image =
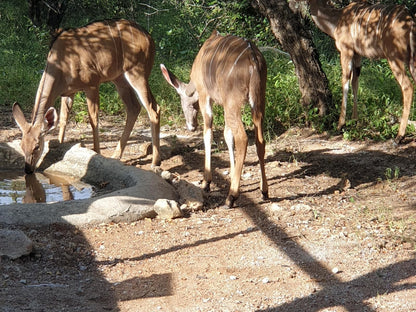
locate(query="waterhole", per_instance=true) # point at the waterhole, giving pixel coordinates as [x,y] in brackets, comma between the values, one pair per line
[101,189]
[40,188]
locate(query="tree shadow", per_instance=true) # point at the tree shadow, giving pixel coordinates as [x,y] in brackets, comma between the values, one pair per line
[61,273]
[93,290]
[361,168]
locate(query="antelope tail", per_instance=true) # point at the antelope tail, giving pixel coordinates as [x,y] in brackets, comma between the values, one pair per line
[257,89]
[412,43]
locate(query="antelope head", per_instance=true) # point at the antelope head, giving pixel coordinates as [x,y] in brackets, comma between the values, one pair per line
[33,135]
[189,97]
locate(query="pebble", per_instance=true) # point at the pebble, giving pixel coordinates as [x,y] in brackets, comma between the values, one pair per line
[14,244]
[167,209]
[265,280]
[166,175]
[275,207]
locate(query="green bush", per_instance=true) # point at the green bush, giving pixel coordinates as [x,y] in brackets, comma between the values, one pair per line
[179,28]
[22,55]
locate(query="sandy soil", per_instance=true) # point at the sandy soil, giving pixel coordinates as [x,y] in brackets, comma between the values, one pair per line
[338,234]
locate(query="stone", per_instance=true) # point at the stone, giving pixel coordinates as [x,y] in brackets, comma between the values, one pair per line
[167,209]
[145,148]
[190,194]
[166,175]
[14,244]
[276,207]
[130,193]
[301,207]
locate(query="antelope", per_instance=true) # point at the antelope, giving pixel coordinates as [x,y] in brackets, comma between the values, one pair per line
[374,31]
[231,72]
[81,59]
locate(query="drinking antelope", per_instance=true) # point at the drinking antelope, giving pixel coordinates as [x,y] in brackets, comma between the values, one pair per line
[81,59]
[229,71]
[375,31]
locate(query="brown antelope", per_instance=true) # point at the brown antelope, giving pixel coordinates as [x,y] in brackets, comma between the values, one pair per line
[374,31]
[229,71]
[80,60]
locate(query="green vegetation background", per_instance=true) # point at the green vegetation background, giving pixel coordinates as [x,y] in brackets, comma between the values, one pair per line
[179,27]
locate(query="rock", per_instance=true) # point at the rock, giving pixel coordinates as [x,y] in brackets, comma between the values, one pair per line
[9,155]
[166,175]
[14,244]
[145,148]
[345,184]
[190,195]
[276,207]
[265,280]
[301,207]
[167,209]
[130,193]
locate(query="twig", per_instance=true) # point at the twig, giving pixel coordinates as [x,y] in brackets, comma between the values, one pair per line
[273,49]
[48,285]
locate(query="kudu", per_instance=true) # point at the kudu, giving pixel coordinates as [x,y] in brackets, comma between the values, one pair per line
[229,71]
[374,31]
[35,192]
[81,59]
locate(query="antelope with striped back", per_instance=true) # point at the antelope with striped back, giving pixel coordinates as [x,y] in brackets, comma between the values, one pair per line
[81,59]
[374,31]
[231,72]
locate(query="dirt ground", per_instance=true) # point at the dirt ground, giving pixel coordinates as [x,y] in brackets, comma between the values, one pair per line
[338,234]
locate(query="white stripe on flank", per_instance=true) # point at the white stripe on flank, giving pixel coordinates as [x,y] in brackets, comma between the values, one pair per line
[368,19]
[210,63]
[112,37]
[238,57]
[121,57]
[397,16]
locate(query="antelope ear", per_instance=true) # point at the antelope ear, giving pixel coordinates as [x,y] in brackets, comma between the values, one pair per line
[214,33]
[19,117]
[190,89]
[170,77]
[51,120]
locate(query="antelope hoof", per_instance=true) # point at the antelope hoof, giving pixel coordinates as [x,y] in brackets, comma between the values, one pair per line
[206,186]
[156,169]
[156,162]
[229,202]
[265,195]
[116,155]
[397,140]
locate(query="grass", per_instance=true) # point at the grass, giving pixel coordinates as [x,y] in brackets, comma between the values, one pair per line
[24,50]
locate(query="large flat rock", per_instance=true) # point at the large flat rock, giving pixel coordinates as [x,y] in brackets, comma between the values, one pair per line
[136,192]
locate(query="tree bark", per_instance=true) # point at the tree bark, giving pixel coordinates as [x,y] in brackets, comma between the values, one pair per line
[49,13]
[294,39]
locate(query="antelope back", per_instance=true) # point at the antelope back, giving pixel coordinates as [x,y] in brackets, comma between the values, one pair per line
[375,30]
[225,67]
[96,53]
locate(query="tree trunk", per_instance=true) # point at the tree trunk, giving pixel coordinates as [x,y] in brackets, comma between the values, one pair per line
[49,13]
[294,39]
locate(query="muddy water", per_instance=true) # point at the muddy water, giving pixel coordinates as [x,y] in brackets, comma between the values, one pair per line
[39,188]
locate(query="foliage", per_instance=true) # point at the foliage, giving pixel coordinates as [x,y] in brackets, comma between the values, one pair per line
[22,53]
[179,28]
